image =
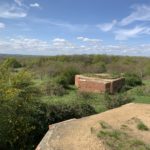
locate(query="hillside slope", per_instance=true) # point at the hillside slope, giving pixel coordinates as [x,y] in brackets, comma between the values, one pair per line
[81,134]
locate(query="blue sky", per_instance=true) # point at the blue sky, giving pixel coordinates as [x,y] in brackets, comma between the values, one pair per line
[55,27]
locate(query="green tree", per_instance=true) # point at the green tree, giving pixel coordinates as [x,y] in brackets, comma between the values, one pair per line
[11,63]
[17,108]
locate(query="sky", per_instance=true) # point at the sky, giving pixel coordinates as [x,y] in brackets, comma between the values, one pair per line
[66,27]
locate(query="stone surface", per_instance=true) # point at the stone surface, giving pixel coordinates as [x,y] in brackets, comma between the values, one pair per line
[78,134]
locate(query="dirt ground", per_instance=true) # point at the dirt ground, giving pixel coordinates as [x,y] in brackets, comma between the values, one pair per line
[77,134]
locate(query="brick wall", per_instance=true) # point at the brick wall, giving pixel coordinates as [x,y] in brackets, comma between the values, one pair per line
[89,85]
[116,85]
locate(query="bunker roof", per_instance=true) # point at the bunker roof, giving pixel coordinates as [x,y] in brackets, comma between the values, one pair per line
[105,78]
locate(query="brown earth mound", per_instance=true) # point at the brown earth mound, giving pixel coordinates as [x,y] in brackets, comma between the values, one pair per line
[81,134]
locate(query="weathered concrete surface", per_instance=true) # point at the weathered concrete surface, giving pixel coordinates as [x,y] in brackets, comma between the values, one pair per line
[77,134]
[55,133]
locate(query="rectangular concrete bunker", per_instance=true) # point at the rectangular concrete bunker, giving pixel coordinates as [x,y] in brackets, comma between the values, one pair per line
[99,83]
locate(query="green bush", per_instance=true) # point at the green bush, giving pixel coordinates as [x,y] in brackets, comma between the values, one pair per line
[17,99]
[62,80]
[70,73]
[52,88]
[12,63]
[67,77]
[61,112]
[113,101]
[84,95]
[132,80]
[143,91]
[23,124]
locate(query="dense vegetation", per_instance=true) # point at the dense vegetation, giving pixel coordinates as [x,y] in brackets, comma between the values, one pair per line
[38,91]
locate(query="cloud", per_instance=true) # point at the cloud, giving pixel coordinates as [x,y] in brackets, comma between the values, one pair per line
[85,39]
[107,26]
[22,43]
[140,13]
[2,25]
[18,2]
[35,5]
[60,46]
[69,26]
[90,44]
[124,34]
[61,24]
[12,11]
[59,40]
[59,43]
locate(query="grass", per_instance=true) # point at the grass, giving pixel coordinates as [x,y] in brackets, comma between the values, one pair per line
[104,125]
[119,140]
[142,126]
[115,134]
[95,100]
[140,98]
[102,75]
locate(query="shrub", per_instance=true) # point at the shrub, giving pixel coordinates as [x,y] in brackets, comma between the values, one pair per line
[62,80]
[84,95]
[12,63]
[61,112]
[132,80]
[17,98]
[70,75]
[113,101]
[67,77]
[143,91]
[52,88]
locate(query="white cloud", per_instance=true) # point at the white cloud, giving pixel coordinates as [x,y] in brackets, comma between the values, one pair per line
[90,44]
[107,26]
[85,39]
[140,13]
[35,5]
[71,27]
[59,43]
[12,11]
[124,34]
[59,40]
[59,46]
[2,25]
[62,24]
[28,44]
[18,2]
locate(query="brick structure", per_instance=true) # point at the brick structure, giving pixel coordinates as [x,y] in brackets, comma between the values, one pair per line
[98,83]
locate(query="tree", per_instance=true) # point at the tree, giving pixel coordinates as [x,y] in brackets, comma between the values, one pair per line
[11,63]
[17,108]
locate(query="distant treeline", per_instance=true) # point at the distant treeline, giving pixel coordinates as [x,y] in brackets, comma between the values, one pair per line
[54,65]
